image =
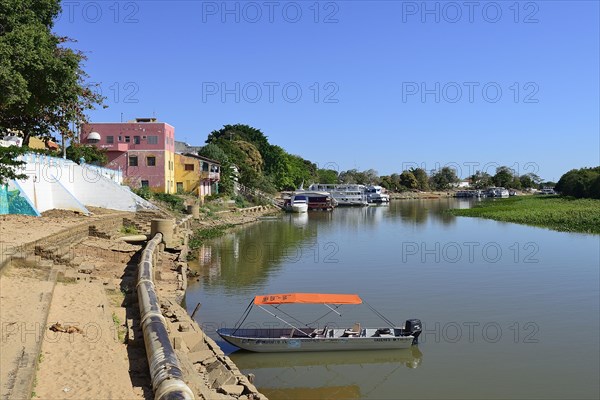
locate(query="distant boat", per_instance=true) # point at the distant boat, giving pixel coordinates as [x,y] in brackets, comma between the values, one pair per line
[547,190]
[375,195]
[344,194]
[316,200]
[305,339]
[299,203]
[497,192]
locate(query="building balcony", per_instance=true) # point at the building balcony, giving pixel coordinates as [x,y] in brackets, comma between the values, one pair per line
[212,176]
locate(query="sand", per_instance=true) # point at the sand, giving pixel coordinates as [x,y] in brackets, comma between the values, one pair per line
[90,365]
[94,364]
[23,308]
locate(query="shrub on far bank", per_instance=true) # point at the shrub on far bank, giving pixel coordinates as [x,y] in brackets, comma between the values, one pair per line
[580,183]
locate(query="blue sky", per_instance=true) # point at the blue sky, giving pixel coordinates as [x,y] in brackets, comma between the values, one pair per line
[359,84]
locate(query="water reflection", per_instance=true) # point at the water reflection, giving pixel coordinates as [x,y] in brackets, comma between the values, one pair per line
[419,211]
[369,251]
[246,256]
[410,358]
[327,375]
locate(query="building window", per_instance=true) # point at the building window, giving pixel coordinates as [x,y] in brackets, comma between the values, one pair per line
[133,161]
[120,138]
[152,139]
[136,140]
[179,187]
[110,139]
[151,161]
[204,166]
[127,139]
[189,167]
[145,184]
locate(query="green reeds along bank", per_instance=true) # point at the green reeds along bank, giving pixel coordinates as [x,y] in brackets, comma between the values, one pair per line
[555,212]
[202,235]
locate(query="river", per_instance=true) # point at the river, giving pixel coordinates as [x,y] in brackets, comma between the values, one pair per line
[509,311]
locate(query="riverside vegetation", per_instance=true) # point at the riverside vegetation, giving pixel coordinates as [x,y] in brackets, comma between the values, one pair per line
[565,214]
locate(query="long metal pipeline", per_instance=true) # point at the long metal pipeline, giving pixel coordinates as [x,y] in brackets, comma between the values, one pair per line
[166,374]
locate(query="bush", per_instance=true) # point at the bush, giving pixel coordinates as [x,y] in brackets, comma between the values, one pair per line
[174,202]
[240,201]
[214,197]
[144,192]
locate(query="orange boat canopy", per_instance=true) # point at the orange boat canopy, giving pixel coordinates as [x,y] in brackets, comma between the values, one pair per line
[307,298]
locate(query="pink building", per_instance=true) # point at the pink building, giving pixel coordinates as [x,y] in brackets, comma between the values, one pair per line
[143,149]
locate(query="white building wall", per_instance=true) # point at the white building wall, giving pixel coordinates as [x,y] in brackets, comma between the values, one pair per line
[58,183]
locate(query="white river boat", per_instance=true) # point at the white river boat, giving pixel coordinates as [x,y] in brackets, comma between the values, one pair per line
[344,194]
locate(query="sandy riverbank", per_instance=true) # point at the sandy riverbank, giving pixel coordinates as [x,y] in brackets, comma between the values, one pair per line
[89,284]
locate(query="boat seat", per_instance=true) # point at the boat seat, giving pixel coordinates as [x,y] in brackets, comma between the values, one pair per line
[319,332]
[354,331]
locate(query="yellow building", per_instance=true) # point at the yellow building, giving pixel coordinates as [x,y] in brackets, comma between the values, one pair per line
[187,174]
[197,175]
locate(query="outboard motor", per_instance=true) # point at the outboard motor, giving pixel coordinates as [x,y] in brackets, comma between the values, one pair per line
[413,327]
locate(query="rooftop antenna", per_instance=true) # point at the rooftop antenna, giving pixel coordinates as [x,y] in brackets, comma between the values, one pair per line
[121,117]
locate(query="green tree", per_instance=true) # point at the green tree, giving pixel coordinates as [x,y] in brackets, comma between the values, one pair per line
[515,183]
[262,165]
[386,182]
[368,177]
[481,180]
[214,152]
[580,183]
[9,165]
[42,83]
[422,179]
[90,154]
[443,179]
[529,180]
[327,176]
[408,180]
[504,177]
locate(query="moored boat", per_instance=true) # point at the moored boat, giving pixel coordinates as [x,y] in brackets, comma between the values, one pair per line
[315,200]
[344,194]
[305,339]
[299,203]
[376,195]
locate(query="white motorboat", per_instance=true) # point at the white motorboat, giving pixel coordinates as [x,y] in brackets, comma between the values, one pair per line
[299,203]
[305,339]
[376,195]
[497,192]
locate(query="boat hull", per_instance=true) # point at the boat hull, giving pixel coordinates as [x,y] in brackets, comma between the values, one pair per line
[307,344]
[300,208]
